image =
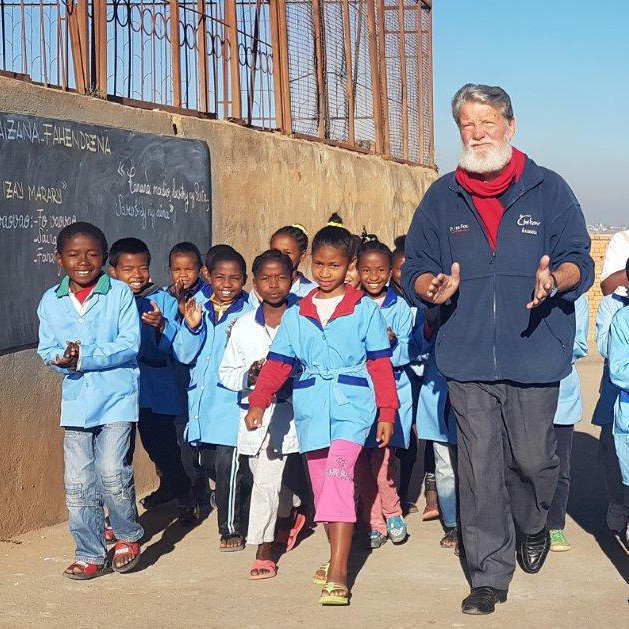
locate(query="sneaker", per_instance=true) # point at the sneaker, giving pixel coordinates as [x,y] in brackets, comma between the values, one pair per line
[375,539]
[558,541]
[396,528]
[617,516]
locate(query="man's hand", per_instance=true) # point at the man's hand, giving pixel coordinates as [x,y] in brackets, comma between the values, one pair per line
[254,371]
[544,283]
[154,318]
[443,287]
[193,313]
[253,419]
[384,433]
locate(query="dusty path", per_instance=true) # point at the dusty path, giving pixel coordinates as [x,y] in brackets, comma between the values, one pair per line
[186,582]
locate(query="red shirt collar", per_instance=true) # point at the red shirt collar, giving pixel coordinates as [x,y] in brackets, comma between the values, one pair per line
[346,305]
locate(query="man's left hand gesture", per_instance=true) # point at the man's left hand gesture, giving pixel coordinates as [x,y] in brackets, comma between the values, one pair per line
[545,282]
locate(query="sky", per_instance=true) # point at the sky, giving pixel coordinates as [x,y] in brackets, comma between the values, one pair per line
[565,65]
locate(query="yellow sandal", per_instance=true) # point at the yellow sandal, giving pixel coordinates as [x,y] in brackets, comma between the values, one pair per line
[324,568]
[328,599]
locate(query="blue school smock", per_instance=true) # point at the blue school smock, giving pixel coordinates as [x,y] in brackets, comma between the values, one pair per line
[104,388]
[433,423]
[213,410]
[570,404]
[619,375]
[300,288]
[398,316]
[158,383]
[608,392]
[334,395]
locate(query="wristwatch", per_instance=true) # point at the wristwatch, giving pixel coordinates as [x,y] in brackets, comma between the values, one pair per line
[555,289]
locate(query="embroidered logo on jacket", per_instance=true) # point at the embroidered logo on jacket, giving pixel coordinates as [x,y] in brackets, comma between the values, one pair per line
[528,224]
[459,229]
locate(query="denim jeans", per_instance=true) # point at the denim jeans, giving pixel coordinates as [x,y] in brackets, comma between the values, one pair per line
[97,473]
[445,463]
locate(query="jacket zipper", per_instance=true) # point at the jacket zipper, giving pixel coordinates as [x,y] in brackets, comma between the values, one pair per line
[492,262]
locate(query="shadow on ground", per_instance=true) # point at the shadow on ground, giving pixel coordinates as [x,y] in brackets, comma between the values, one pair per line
[588,501]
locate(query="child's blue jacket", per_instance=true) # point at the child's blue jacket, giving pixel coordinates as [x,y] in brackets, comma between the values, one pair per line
[104,387]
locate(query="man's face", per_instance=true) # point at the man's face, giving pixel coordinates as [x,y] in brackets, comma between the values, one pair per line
[486,137]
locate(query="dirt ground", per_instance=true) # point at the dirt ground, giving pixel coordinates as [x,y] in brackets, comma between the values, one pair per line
[184,581]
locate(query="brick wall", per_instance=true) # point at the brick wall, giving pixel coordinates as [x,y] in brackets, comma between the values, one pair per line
[599,247]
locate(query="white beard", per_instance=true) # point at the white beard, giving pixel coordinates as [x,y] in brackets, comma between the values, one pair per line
[490,160]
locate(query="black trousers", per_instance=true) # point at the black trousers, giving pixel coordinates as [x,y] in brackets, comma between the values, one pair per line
[507,468]
[159,438]
[557,511]
[233,486]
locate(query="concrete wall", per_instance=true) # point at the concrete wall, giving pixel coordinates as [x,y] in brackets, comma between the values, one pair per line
[260,181]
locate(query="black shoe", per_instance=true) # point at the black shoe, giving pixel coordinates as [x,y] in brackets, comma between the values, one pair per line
[483,600]
[159,497]
[532,551]
[188,514]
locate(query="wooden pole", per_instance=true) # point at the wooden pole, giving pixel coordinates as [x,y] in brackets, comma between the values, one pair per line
[376,90]
[100,38]
[287,122]
[430,83]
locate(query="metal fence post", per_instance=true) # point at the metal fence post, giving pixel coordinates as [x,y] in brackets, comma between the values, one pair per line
[175,52]
[231,22]
[202,46]
[403,76]
[322,99]
[430,80]
[349,86]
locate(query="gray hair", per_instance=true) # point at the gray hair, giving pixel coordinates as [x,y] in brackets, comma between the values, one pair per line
[487,94]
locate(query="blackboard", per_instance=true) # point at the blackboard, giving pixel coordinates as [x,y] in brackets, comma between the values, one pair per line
[55,172]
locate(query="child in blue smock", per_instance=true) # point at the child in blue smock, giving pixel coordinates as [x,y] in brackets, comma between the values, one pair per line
[291,240]
[339,338]
[415,372]
[617,512]
[89,330]
[618,357]
[160,401]
[569,412]
[436,423]
[213,410]
[376,467]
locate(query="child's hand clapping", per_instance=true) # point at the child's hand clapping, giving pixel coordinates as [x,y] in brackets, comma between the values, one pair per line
[180,292]
[253,419]
[391,335]
[254,371]
[70,357]
[154,318]
[193,313]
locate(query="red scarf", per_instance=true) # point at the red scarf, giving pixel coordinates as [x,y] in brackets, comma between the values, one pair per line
[485,193]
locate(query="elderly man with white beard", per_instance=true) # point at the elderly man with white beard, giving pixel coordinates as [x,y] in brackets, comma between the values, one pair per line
[500,246]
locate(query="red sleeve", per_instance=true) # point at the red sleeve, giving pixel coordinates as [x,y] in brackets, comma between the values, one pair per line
[272,376]
[381,373]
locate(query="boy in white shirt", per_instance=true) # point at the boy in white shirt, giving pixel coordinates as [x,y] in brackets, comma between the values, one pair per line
[267,447]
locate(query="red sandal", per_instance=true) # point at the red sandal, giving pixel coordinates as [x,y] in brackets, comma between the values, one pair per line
[110,536]
[126,549]
[88,570]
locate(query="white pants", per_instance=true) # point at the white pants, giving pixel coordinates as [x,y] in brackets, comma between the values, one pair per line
[269,499]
